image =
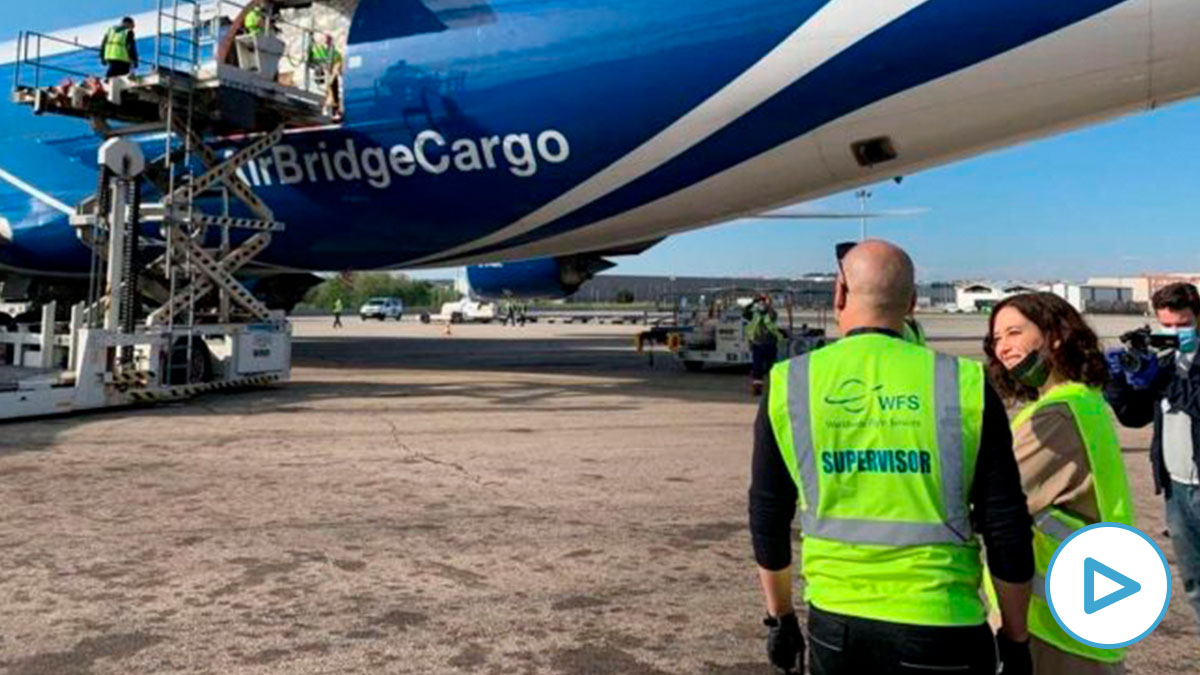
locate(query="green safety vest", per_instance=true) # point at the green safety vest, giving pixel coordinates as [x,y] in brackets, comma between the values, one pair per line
[1053,525]
[323,55]
[254,23]
[760,325]
[881,438]
[116,47]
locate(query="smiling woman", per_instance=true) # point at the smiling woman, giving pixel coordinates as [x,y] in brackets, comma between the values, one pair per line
[1038,340]
[1040,349]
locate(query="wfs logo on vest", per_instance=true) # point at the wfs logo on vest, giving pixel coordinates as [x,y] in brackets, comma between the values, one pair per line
[854,396]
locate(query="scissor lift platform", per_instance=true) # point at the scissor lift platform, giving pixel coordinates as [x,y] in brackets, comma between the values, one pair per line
[167,317]
[228,100]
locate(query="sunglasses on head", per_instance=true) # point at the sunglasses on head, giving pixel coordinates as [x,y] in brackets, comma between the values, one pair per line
[842,249]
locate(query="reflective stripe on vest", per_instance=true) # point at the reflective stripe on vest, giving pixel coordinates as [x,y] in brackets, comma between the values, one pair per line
[1039,587]
[956,527]
[1047,523]
[115,45]
[1054,525]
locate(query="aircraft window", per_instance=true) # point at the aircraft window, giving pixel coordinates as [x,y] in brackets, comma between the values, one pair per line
[874,151]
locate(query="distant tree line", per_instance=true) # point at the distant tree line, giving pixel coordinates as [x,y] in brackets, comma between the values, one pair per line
[355,287]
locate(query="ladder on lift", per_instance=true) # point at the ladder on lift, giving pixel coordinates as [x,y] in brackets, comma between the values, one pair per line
[178,255]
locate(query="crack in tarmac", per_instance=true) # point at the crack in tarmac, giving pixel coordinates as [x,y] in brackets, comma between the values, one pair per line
[419,456]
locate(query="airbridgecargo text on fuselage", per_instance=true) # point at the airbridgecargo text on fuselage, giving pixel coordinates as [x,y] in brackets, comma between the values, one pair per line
[430,153]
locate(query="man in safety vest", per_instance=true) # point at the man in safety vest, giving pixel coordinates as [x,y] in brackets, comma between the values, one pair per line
[764,336]
[119,49]
[899,460]
[255,22]
[326,61]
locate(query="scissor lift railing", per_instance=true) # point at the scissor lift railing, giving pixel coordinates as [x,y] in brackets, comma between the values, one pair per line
[33,59]
[177,39]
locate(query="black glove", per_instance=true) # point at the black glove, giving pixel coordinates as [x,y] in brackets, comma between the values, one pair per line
[785,643]
[1014,656]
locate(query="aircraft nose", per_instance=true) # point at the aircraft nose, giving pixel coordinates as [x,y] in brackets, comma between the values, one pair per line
[1175,35]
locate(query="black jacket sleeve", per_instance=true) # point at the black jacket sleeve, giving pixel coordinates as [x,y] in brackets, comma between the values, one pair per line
[131,44]
[999,511]
[773,497]
[1136,408]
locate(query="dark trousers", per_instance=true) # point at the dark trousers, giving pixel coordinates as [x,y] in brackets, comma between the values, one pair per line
[840,644]
[118,68]
[1183,521]
[762,357]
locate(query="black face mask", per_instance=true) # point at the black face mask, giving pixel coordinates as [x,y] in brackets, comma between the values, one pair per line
[1032,371]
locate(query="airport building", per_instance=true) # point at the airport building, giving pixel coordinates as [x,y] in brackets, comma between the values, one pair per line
[815,290]
[1100,298]
[981,296]
[1099,295]
[1143,287]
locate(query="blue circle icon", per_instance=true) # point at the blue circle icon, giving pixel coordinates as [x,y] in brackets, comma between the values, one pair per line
[1107,552]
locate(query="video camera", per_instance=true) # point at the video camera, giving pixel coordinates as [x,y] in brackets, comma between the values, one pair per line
[1144,342]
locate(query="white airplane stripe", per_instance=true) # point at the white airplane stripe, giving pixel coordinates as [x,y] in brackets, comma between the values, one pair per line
[1017,67]
[90,35]
[34,192]
[834,28]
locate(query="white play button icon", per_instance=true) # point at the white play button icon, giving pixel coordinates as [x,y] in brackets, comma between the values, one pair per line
[1113,586]
[1108,585]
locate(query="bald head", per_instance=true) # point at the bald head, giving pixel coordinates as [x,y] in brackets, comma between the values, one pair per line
[879,285]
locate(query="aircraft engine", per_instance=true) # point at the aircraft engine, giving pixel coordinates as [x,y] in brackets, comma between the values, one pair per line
[539,278]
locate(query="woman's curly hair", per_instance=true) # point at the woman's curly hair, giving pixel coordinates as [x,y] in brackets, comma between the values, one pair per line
[1073,347]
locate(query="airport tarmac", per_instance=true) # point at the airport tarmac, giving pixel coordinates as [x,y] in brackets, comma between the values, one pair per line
[500,500]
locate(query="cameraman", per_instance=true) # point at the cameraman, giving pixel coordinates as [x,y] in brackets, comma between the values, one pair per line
[1165,389]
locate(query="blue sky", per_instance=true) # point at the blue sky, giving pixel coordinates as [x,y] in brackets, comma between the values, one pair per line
[1120,198]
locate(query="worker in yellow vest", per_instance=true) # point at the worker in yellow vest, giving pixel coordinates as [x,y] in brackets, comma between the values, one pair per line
[763,333]
[119,49]
[1040,349]
[326,61]
[899,460]
[255,22]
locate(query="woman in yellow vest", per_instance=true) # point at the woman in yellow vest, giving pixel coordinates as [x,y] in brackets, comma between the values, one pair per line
[1040,350]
